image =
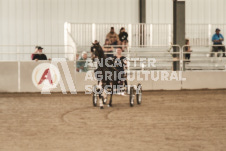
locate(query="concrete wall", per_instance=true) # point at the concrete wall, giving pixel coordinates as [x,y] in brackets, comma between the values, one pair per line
[205,11]
[204,80]
[159,11]
[197,11]
[14,80]
[9,81]
[26,69]
[41,22]
[9,77]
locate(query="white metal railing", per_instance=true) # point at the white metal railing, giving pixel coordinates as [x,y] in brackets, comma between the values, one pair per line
[143,34]
[200,59]
[69,40]
[138,34]
[24,52]
[201,34]
[163,56]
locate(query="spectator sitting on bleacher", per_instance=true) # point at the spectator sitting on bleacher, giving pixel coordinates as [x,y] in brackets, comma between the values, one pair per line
[39,55]
[188,50]
[81,63]
[108,49]
[217,40]
[36,51]
[113,37]
[123,37]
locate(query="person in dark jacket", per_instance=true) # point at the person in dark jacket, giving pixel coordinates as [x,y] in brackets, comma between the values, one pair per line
[36,51]
[187,50]
[123,35]
[123,38]
[39,55]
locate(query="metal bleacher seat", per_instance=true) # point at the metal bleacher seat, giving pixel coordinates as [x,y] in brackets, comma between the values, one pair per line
[201,60]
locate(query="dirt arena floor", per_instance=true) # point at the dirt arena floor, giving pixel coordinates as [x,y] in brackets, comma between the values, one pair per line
[166,121]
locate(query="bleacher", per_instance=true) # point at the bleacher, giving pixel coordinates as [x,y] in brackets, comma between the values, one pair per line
[154,42]
[201,60]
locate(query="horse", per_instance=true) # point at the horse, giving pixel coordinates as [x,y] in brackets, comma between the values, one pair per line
[106,71]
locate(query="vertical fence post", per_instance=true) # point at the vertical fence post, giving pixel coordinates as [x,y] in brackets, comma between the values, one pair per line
[18,66]
[209,35]
[151,35]
[130,34]
[93,32]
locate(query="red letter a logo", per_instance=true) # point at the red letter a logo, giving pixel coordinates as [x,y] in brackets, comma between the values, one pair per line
[46,75]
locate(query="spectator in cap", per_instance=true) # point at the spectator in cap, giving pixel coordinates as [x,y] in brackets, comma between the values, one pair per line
[113,37]
[217,40]
[36,51]
[39,55]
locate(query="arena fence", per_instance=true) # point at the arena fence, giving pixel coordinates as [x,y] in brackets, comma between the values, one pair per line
[18,78]
[201,34]
[23,52]
[143,34]
[138,34]
[201,58]
[163,56]
[16,75]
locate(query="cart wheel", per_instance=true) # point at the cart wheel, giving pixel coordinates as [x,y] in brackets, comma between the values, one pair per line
[139,94]
[131,96]
[94,95]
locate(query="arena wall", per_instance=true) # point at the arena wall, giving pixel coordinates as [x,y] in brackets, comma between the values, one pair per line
[14,80]
[41,22]
[36,22]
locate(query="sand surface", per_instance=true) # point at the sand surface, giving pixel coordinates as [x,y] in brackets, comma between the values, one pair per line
[165,121]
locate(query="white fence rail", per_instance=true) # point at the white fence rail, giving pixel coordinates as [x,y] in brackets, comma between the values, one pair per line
[24,52]
[144,34]
[200,35]
[138,34]
[162,56]
[200,56]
